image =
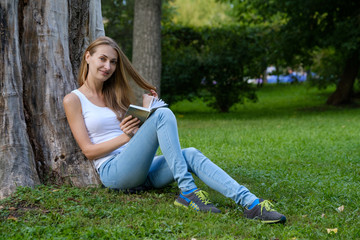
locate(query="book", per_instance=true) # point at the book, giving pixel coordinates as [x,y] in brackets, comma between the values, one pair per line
[143,113]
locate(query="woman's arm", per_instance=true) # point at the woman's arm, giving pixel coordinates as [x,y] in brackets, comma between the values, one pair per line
[76,122]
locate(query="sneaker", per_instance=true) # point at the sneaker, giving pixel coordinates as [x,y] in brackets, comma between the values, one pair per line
[197,200]
[264,212]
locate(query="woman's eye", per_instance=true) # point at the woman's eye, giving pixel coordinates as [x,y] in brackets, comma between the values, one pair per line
[102,59]
[113,62]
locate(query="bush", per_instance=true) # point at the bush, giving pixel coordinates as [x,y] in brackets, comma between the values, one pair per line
[225,62]
[210,63]
[181,70]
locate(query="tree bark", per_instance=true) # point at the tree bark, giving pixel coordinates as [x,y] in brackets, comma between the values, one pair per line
[344,90]
[146,56]
[17,164]
[41,45]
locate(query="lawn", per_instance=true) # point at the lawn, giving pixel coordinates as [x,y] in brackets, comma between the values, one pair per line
[289,147]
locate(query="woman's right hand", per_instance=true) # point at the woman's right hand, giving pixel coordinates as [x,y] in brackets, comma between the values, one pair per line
[130,125]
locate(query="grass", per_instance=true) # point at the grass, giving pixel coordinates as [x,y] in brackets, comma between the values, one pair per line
[288,147]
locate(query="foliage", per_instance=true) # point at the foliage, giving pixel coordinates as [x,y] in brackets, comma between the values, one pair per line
[118,22]
[216,60]
[200,13]
[327,66]
[308,25]
[227,60]
[288,148]
[181,70]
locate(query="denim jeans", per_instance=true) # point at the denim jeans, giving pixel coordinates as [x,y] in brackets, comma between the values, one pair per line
[137,164]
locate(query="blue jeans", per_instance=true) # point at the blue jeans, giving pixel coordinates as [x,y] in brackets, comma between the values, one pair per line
[137,164]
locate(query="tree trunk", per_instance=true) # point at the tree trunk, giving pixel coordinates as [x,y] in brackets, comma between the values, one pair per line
[344,90]
[41,45]
[17,165]
[146,55]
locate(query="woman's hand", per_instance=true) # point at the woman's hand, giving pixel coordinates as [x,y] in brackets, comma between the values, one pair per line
[153,93]
[129,126]
[147,98]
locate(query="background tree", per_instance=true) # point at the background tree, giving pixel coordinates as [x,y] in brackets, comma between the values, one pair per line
[146,55]
[41,44]
[312,25]
[118,22]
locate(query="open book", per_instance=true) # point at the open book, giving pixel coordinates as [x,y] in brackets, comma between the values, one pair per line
[143,113]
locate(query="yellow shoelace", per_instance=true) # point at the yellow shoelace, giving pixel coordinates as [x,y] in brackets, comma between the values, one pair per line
[204,196]
[267,204]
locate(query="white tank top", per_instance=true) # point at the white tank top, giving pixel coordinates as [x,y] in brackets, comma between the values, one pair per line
[101,124]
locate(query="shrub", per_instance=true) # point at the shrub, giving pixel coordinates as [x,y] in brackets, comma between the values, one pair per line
[210,63]
[225,62]
[181,70]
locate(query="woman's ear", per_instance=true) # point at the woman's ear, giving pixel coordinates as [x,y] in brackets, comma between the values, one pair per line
[87,56]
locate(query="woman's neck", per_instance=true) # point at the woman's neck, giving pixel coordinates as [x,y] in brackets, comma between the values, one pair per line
[93,88]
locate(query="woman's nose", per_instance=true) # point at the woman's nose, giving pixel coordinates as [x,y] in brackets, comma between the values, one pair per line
[107,65]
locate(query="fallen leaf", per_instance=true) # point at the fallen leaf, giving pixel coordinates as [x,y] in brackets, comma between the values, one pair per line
[341,208]
[304,216]
[331,230]
[323,215]
[55,190]
[294,238]
[12,218]
[12,208]
[1,207]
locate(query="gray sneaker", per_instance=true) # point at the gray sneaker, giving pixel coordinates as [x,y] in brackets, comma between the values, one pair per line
[197,200]
[265,213]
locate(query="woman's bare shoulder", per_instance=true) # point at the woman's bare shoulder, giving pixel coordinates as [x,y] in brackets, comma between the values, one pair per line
[71,99]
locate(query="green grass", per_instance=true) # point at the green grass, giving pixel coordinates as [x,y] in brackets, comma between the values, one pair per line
[288,147]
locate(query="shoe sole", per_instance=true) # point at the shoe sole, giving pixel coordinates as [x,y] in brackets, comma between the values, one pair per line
[176,203]
[281,220]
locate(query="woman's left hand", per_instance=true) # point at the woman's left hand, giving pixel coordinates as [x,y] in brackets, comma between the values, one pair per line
[153,93]
[147,98]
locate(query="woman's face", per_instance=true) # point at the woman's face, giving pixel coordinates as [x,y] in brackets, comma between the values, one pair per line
[102,63]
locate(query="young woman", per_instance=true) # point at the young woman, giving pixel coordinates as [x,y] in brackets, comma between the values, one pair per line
[124,154]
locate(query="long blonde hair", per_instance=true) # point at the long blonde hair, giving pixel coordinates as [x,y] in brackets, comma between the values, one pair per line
[116,90]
